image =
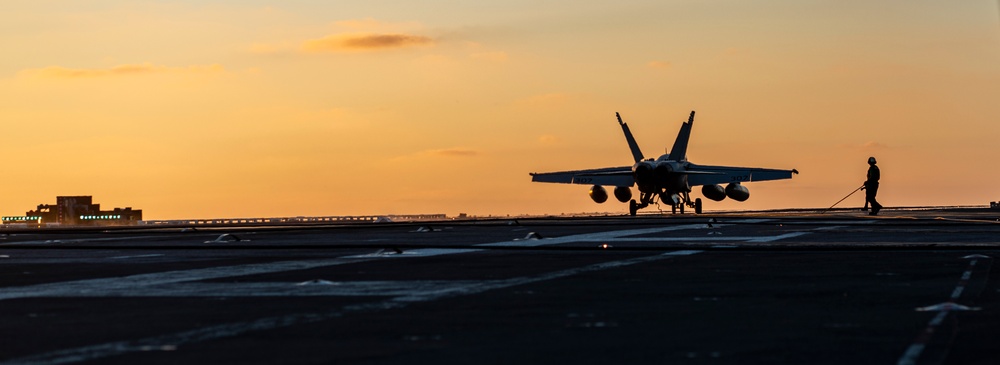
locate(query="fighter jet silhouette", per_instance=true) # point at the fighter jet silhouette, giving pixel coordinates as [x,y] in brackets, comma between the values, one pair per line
[668,178]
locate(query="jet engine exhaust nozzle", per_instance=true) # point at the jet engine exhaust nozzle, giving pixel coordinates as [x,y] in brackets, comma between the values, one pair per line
[661,173]
[643,175]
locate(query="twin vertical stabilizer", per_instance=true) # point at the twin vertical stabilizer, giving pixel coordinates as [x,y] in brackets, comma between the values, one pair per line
[679,151]
[636,153]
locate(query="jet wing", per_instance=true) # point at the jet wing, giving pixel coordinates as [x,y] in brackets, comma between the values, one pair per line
[611,176]
[707,175]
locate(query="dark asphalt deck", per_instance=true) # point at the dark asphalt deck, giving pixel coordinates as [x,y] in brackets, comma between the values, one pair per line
[769,288]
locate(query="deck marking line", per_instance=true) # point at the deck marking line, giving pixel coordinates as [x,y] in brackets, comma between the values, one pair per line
[134,282]
[87,353]
[424,252]
[779,237]
[80,240]
[957,292]
[142,280]
[261,289]
[597,236]
[913,352]
[135,256]
[755,239]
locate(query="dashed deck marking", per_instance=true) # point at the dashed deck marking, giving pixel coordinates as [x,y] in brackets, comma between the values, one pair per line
[913,352]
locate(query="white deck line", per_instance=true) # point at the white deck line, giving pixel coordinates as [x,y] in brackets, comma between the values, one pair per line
[99,351]
[136,285]
[913,352]
[598,236]
[141,281]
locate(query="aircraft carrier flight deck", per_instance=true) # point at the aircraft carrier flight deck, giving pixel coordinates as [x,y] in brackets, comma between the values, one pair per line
[783,287]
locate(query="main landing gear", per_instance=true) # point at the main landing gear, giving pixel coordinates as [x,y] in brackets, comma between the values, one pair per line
[686,200]
[633,206]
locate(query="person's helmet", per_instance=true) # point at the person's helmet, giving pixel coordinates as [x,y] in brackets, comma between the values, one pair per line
[871,160]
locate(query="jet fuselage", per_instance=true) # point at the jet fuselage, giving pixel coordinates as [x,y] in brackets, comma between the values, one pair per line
[662,175]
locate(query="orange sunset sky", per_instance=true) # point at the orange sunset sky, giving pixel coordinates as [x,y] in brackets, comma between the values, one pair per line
[202,109]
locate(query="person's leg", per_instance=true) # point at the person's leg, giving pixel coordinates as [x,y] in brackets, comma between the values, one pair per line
[875,205]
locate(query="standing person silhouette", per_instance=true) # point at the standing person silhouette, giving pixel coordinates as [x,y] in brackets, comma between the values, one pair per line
[871,186]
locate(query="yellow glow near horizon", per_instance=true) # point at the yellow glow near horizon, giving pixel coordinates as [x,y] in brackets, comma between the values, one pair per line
[187,110]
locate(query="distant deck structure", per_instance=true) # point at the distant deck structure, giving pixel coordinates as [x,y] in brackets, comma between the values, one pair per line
[296,220]
[75,211]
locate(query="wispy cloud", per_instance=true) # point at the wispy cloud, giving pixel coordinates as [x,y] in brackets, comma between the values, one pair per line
[659,65]
[357,36]
[867,146]
[364,42]
[120,70]
[453,152]
[872,145]
[548,140]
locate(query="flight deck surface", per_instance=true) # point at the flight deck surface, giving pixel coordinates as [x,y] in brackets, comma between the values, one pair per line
[906,287]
